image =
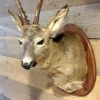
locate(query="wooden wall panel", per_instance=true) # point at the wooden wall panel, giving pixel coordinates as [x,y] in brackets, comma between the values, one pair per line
[30,5]
[17,83]
[14,90]
[86,16]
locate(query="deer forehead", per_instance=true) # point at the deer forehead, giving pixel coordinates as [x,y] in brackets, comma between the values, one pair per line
[36,39]
[30,32]
[32,28]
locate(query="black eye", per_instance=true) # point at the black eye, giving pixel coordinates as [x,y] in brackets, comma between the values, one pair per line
[20,43]
[40,42]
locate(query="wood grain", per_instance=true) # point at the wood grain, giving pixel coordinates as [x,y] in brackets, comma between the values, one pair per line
[30,5]
[14,78]
[14,90]
[86,16]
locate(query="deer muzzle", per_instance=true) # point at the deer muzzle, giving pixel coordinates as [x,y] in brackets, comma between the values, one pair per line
[28,65]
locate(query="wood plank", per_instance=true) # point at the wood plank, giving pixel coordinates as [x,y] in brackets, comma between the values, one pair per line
[10,47]
[96,47]
[2,97]
[13,90]
[30,5]
[86,16]
[12,74]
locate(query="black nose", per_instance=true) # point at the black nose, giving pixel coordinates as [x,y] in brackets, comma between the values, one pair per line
[28,65]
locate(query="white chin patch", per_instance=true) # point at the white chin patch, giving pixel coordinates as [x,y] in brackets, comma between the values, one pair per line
[27,59]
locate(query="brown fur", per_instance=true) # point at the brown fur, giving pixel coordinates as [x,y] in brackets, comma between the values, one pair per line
[64,60]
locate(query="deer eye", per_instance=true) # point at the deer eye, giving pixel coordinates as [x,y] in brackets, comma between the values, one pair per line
[20,43]
[40,42]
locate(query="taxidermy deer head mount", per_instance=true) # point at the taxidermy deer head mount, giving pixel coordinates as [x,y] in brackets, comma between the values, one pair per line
[36,40]
[61,55]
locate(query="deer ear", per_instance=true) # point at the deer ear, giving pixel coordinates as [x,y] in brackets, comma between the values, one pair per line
[17,20]
[57,21]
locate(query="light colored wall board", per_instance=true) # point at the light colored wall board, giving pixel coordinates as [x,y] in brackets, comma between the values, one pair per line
[30,5]
[86,16]
[13,90]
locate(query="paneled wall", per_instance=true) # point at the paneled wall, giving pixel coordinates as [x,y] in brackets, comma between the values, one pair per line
[19,84]
[30,5]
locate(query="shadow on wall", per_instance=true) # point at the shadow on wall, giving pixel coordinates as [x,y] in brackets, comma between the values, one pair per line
[2,97]
[39,79]
[17,91]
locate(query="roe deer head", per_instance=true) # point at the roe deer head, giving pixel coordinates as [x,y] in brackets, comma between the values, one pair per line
[62,55]
[35,39]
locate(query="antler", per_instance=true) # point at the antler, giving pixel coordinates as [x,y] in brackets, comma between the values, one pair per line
[37,12]
[23,13]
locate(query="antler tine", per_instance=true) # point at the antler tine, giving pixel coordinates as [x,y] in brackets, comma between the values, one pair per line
[23,13]
[37,12]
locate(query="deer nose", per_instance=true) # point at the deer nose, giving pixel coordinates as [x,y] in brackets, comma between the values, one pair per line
[28,65]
